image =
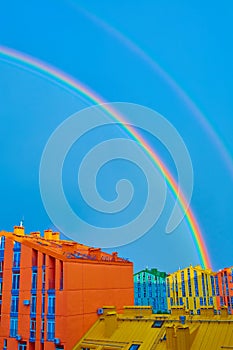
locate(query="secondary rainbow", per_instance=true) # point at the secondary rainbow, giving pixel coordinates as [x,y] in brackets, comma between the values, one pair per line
[64,80]
[157,69]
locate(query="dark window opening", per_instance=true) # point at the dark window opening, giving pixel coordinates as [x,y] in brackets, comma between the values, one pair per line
[157,324]
[134,347]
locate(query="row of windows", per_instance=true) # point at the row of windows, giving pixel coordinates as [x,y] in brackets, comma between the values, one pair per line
[203,301]
[50,328]
[51,304]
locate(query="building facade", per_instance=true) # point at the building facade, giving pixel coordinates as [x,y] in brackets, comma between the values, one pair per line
[192,288]
[52,290]
[224,288]
[150,289]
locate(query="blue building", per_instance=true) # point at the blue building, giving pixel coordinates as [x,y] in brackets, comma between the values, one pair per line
[150,289]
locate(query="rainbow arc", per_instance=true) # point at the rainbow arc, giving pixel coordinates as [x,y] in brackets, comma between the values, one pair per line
[64,80]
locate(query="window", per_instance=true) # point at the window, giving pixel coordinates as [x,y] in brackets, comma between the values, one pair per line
[182,284]
[32,329]
[61,275]
[17,245]
[15,281]
[203,284]
[33,304]
[189,283]
[43,304]
[5,344]
[51,304]
[217,285]
[2,242]
[15,303]
[134,347]
[168,288]
[1,268]
[44,259]
[22,346]
[43,278]
[196,283]
[50,330]
[34,280]
[212,285]
[13,327]
[42,329]
[16,259]
[157,324]
[34,258]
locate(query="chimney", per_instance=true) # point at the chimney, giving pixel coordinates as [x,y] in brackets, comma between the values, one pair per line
[35,234]
[207,311]
[177,310]
[48,234]
[224,312]
[19,230]
[114,256]
[95,252]
[183,338]
[55,236]
[170,338]
[110,323]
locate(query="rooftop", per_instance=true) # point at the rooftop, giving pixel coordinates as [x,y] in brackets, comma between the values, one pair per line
[66,250]
[138,328]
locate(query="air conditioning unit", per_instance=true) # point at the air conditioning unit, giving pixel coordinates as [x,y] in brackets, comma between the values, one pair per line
[100,311]
[18,337]
[56,341]
[26,302]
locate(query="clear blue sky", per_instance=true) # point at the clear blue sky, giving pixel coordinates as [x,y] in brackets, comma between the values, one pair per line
[190,40]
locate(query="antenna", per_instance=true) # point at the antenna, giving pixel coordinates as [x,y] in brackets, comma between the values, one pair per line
[21,222]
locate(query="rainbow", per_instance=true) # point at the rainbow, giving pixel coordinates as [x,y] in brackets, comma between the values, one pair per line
[58,77]
[156,68]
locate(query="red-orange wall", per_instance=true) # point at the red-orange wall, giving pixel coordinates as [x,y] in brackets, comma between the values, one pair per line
[88,285]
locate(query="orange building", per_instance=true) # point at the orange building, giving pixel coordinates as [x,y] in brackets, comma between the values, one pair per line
[224,288]
[52,290]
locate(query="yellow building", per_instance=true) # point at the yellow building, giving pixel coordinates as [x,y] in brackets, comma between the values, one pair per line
[138,329]
[192,288]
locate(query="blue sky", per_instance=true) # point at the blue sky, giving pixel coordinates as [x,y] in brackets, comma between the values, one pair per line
[191,41]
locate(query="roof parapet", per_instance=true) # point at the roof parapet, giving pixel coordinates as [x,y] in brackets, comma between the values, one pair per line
[138,311]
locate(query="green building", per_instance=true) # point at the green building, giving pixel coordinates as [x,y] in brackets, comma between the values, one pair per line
[150,289]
